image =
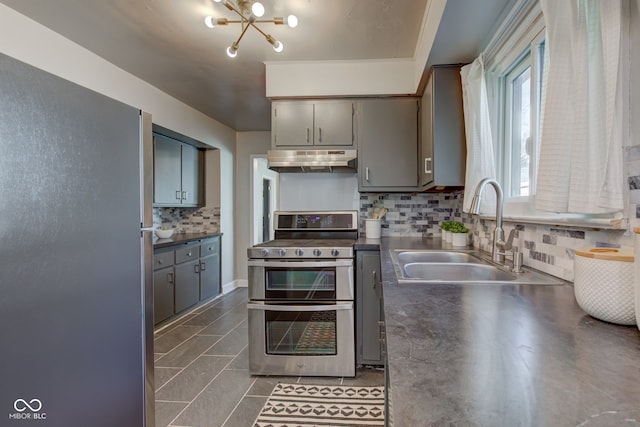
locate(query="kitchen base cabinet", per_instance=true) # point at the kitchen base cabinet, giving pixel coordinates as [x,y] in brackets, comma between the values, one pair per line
[185,274]
[369,309]
[163,280]
[210,268]
[187,290]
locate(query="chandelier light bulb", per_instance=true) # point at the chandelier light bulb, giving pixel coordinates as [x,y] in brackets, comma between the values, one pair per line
[232,52]
[257,9]
[249,12]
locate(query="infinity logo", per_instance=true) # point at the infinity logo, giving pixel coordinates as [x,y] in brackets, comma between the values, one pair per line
[21,405]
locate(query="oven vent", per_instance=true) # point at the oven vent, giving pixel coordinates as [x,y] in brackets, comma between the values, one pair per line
[303,161]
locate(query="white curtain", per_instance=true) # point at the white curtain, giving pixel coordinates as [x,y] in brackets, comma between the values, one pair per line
[480,159]
[580,168]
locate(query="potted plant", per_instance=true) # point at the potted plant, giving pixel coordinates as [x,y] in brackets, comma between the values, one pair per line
[446,234]
[458,233]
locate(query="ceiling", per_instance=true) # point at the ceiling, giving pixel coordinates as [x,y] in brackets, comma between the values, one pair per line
[166,43]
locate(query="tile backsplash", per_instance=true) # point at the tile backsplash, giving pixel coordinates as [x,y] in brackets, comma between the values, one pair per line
[413,214]
[550,249]
[187,220]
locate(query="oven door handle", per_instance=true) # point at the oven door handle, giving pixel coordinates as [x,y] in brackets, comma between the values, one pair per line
[278,307]
[294,264]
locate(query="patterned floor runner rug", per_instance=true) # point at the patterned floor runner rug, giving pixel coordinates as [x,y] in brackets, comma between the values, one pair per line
[302,405]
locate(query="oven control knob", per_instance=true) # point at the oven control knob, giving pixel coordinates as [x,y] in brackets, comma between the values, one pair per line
[335,252]
[317,252]
[264,252]
[299,252]
[282,252]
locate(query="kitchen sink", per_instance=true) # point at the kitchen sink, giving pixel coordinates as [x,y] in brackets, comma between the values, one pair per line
[463,267]
[407,257]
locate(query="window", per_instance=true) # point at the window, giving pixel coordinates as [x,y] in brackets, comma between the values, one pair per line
[519,150]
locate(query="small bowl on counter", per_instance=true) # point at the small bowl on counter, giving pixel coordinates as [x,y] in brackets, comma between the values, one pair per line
[164,233]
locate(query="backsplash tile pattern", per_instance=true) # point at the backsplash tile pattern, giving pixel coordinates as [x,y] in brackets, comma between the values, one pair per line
[187,220]
[550,249]
[413,214]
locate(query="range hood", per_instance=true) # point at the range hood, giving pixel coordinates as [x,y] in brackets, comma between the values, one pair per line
[312,160]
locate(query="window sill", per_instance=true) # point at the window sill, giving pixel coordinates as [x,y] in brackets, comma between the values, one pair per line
[524,213]
[566,220]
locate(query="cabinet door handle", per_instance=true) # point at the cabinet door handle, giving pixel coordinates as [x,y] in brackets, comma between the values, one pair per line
[196,268]
[428,165]
[178,196]
[170,277]
[366,174]
[307,134]
[374,279]
[319,134]
[184,195]
[203,266]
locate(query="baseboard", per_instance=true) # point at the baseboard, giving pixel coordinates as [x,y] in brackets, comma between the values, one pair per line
[238,283]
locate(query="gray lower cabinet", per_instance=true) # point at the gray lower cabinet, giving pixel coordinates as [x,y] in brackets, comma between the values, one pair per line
[388,144]
[163,281]
[185,274]
[369,309]
[210,268]
[187,289]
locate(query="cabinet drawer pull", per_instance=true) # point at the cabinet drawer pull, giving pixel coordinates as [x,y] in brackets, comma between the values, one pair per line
[170,277]
[188,253]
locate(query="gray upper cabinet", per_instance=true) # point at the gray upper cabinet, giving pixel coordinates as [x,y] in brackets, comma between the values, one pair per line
[178,171]
[388,144]
[320,123]
[442,148]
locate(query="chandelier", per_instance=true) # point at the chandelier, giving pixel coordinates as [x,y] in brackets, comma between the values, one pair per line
[249,12]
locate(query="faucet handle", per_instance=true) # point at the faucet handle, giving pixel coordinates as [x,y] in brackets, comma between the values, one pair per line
[508,245]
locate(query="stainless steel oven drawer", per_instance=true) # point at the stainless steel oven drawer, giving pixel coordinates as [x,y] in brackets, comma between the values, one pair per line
[302,339]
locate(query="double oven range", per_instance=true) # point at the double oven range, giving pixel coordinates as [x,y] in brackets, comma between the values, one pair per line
[301,296]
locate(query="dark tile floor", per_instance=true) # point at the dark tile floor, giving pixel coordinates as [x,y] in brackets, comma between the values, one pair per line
[202,370]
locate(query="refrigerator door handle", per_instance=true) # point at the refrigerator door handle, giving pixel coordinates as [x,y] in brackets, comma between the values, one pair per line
[146,170]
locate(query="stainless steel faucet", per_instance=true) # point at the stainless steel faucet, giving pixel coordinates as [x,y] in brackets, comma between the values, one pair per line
[498,233]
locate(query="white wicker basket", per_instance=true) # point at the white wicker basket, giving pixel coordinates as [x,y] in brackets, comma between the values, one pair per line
[604,284]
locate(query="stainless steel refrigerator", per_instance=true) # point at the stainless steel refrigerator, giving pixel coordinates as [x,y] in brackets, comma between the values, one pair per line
[76,314]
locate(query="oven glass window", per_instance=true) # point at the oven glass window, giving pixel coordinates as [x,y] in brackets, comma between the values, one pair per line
[303,333]
[313,283]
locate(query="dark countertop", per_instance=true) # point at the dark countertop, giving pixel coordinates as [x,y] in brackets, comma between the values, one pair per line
[176,239]
[503,355]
